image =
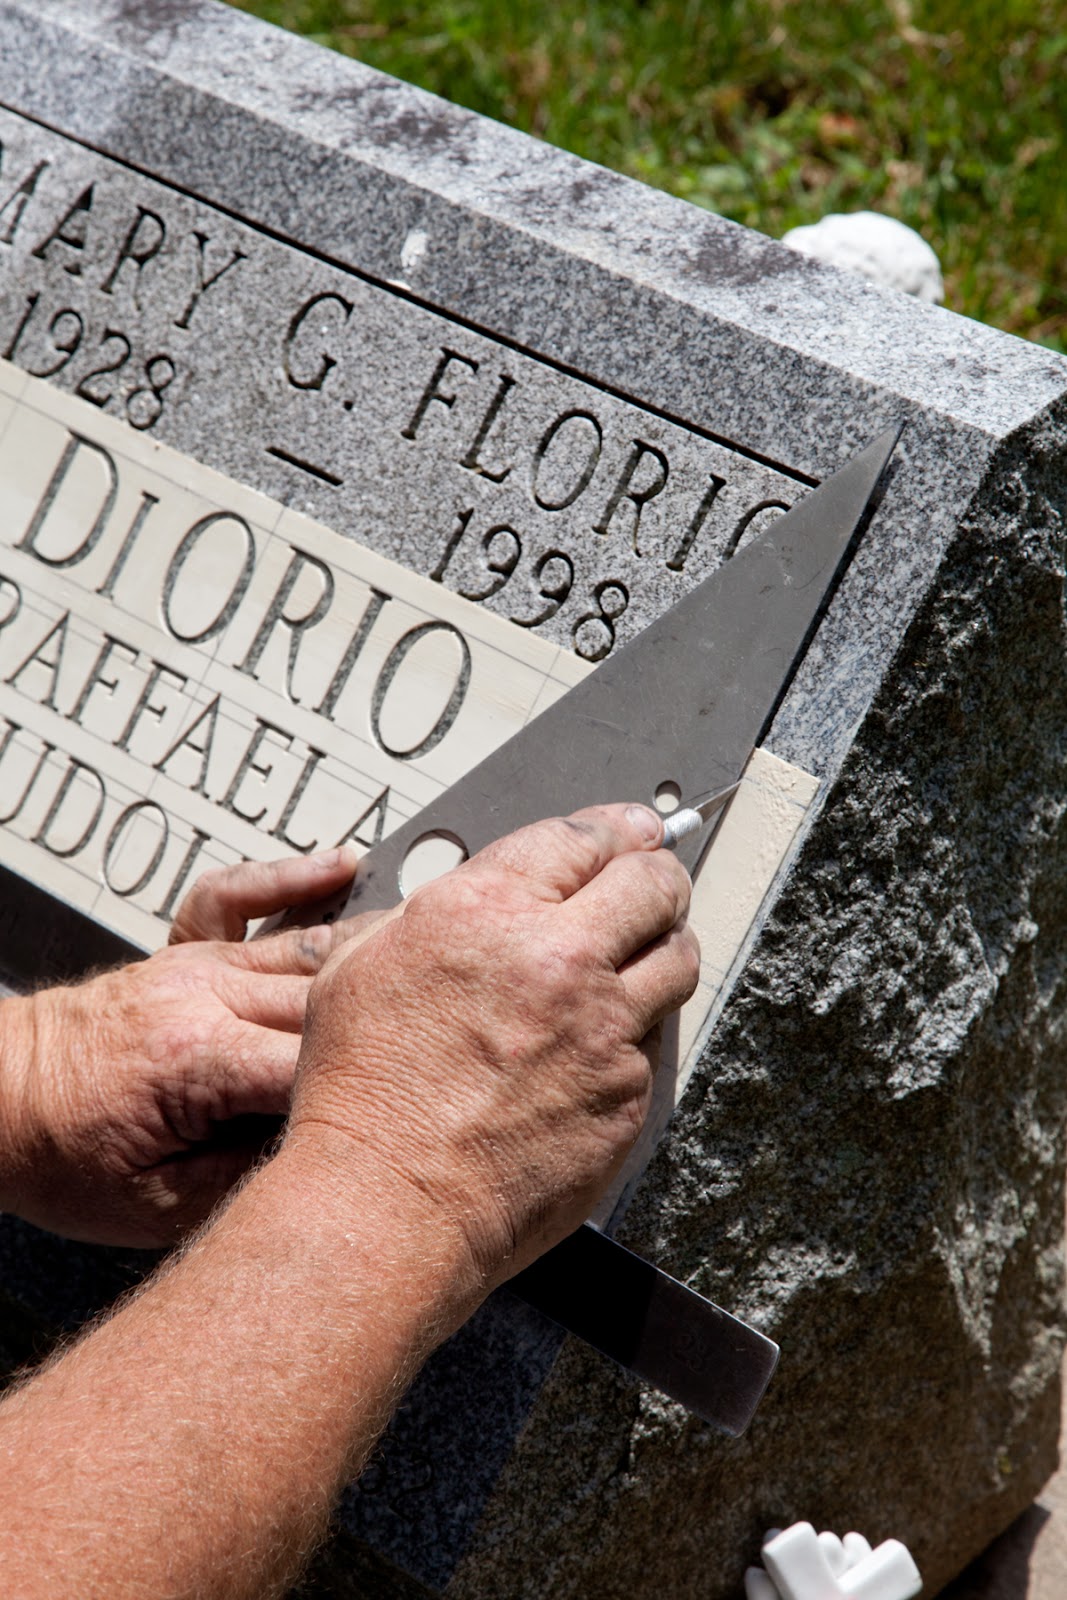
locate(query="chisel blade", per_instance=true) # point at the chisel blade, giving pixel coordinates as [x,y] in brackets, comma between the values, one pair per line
[687,1347]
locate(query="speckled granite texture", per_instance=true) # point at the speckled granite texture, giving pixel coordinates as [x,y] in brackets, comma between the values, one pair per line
[869,1163]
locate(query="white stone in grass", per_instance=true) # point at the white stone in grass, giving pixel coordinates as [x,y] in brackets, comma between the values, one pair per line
[881,248]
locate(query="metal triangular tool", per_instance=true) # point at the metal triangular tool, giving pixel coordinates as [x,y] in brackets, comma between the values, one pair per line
[685,702]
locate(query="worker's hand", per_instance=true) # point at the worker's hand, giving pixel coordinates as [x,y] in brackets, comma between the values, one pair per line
[130,1104]
[486,1054]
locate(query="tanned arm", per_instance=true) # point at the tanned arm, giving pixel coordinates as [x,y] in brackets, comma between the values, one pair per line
[193,1445]
[471,1077]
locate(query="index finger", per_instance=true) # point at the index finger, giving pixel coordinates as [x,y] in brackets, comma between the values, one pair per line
[222,902]
[304,951]
[560,855]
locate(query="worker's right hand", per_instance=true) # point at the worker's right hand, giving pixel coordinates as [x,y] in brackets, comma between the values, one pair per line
[485,1055]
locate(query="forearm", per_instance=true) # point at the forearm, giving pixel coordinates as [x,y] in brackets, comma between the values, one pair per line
[489,1045]
[193,1444]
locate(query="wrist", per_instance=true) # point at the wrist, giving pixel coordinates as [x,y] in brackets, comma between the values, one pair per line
[348,1202]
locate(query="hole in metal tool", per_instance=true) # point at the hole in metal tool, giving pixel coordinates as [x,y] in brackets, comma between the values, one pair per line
[668,796]
[431,855]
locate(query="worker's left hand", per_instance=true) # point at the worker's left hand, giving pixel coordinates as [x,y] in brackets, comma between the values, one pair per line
[130,1104]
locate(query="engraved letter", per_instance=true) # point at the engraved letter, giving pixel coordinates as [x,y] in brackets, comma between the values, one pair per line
[107,588]
[205,283]
[12,729]
[17,202]
[582,479]
[318,377]
[139,251]
[57,632]
[115,841]
[41,836]
[177,563]
[371,613]
[433,391]
[71,230]
[196,844]
[734,541]
[46,751]
[279,831]
[391,666]
[29,539]
[298,625]
[639,498]
[249,763]
[16,602]
[154,708]
[688,539]
[470,460]
[376,809]
[202,747]
[96,675]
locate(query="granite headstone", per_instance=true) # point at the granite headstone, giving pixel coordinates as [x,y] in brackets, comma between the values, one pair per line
[565,398]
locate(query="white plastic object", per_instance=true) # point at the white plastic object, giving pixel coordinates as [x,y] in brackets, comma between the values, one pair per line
[758,1586]
[855,1547]
[803,1565]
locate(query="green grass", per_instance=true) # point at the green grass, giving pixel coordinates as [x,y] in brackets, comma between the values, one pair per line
[774,112]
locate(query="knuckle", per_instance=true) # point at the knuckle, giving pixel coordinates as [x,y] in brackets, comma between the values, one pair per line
[209,886]
[680,974]
[453,931]
[198,911]
[672,876]
[451,912]
[579,831]
[581,837]
[563,969]
[660,885]
[318,995]
[313,945]
[453,892]
[574,842]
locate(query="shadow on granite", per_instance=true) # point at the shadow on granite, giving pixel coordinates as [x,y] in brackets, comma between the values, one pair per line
[1028,1561]
[1012,1567]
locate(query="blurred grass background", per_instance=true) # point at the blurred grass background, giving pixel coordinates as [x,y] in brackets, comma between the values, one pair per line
[774,112]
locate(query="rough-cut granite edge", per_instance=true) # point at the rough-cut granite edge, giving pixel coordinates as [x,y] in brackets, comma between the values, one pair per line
[917,958]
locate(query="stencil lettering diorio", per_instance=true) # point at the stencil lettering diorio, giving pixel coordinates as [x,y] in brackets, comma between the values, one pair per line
[190,674]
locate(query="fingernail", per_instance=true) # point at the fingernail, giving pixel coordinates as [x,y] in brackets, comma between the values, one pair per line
[348,856]
[343,855]
[645,821]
